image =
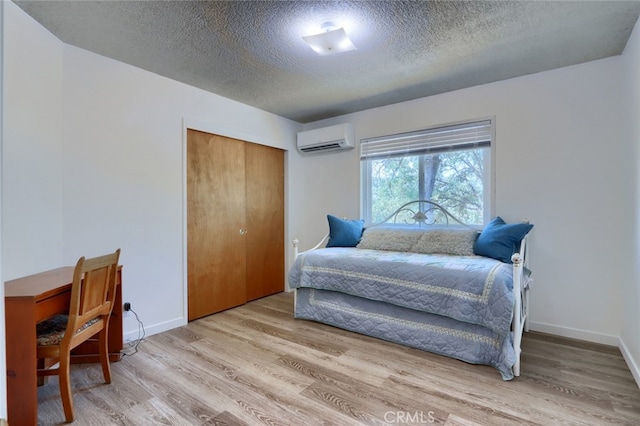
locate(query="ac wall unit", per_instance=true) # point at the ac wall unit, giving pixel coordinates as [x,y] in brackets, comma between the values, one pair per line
[330,138]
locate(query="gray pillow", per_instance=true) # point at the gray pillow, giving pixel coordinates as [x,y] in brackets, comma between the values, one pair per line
[456,241]
[390,238]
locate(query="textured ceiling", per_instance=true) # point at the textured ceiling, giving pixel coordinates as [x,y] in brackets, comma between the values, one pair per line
[252,51]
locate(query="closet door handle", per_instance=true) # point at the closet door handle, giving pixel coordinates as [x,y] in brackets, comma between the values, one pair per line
[243,231]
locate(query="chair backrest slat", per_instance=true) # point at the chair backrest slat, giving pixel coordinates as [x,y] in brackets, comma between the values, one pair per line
[93,290]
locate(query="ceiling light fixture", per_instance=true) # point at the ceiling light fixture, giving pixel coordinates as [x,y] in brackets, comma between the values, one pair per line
[331,40]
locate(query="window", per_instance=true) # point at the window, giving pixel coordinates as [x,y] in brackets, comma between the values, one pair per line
[450,165]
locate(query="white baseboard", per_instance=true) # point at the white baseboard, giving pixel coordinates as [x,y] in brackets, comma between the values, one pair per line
[132,332]
[575,333]
[631,363]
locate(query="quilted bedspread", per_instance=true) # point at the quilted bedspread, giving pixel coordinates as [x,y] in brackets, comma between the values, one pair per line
[472,289]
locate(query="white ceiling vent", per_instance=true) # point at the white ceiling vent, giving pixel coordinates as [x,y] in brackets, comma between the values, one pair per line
[325,139]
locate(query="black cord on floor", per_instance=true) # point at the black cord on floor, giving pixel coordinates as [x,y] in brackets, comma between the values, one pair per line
[133,345]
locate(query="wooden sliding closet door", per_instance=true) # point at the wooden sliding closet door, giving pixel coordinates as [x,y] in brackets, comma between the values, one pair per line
[216,247]
[235,222]
[265,220]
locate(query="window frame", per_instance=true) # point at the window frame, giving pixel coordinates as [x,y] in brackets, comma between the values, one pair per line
[489,178]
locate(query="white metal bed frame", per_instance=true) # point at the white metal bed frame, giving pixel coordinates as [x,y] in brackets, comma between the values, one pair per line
[431,213]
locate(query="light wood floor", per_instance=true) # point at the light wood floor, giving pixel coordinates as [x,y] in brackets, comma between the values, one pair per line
[256,365]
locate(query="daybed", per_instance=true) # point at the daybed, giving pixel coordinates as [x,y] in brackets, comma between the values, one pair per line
[422,279]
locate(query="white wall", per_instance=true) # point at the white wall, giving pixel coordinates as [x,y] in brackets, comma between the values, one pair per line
[32,236]
[630,333]
[560,163]
[321,184]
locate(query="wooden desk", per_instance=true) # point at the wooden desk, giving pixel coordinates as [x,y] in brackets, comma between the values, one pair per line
[32,299]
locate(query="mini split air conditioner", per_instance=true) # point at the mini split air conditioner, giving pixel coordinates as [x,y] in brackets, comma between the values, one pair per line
[325,139]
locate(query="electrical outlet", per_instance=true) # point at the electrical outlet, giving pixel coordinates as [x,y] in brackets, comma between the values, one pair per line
[127,309]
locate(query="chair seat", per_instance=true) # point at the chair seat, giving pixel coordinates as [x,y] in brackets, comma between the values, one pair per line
[51,332]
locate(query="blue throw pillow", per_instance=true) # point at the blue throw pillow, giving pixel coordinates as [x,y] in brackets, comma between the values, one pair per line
[344,232]
[500,240]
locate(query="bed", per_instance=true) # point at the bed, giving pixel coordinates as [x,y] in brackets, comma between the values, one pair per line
[423,279]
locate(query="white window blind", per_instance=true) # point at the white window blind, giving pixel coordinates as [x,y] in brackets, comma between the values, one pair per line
[430,141]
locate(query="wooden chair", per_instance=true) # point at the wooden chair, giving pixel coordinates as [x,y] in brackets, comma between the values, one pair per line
[92,298]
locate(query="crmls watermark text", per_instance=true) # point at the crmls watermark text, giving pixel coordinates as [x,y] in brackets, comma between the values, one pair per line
[406,417]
